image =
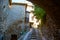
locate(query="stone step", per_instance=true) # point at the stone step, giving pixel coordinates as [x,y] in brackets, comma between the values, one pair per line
[33,39]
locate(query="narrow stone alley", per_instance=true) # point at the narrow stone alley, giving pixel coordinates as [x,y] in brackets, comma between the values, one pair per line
[29,20]
[33,34]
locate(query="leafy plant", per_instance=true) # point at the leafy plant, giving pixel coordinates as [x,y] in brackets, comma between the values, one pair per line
[39,12]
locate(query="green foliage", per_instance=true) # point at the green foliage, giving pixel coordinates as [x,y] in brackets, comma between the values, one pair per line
[39,12]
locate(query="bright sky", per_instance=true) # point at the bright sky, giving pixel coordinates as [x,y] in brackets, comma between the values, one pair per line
[18,0]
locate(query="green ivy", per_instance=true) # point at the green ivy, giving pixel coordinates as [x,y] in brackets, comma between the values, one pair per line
[39,12]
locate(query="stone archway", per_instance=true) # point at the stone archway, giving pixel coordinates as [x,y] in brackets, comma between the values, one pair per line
[52,17]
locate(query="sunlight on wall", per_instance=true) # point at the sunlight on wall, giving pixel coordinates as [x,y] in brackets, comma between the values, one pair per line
[32,18]
[35,24]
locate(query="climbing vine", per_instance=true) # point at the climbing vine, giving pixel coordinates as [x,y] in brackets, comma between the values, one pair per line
[39,13]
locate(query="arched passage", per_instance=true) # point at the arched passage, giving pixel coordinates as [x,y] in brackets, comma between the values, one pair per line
[52,23]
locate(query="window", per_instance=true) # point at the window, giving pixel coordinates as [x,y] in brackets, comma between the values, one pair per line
[1,19]
[13,37]
[26,19]
[3,6]
[27,12]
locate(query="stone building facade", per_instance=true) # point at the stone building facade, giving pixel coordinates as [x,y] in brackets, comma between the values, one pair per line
[12,18]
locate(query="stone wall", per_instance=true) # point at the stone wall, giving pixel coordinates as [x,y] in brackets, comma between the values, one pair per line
[15,28]
[50,29]
[47,29]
